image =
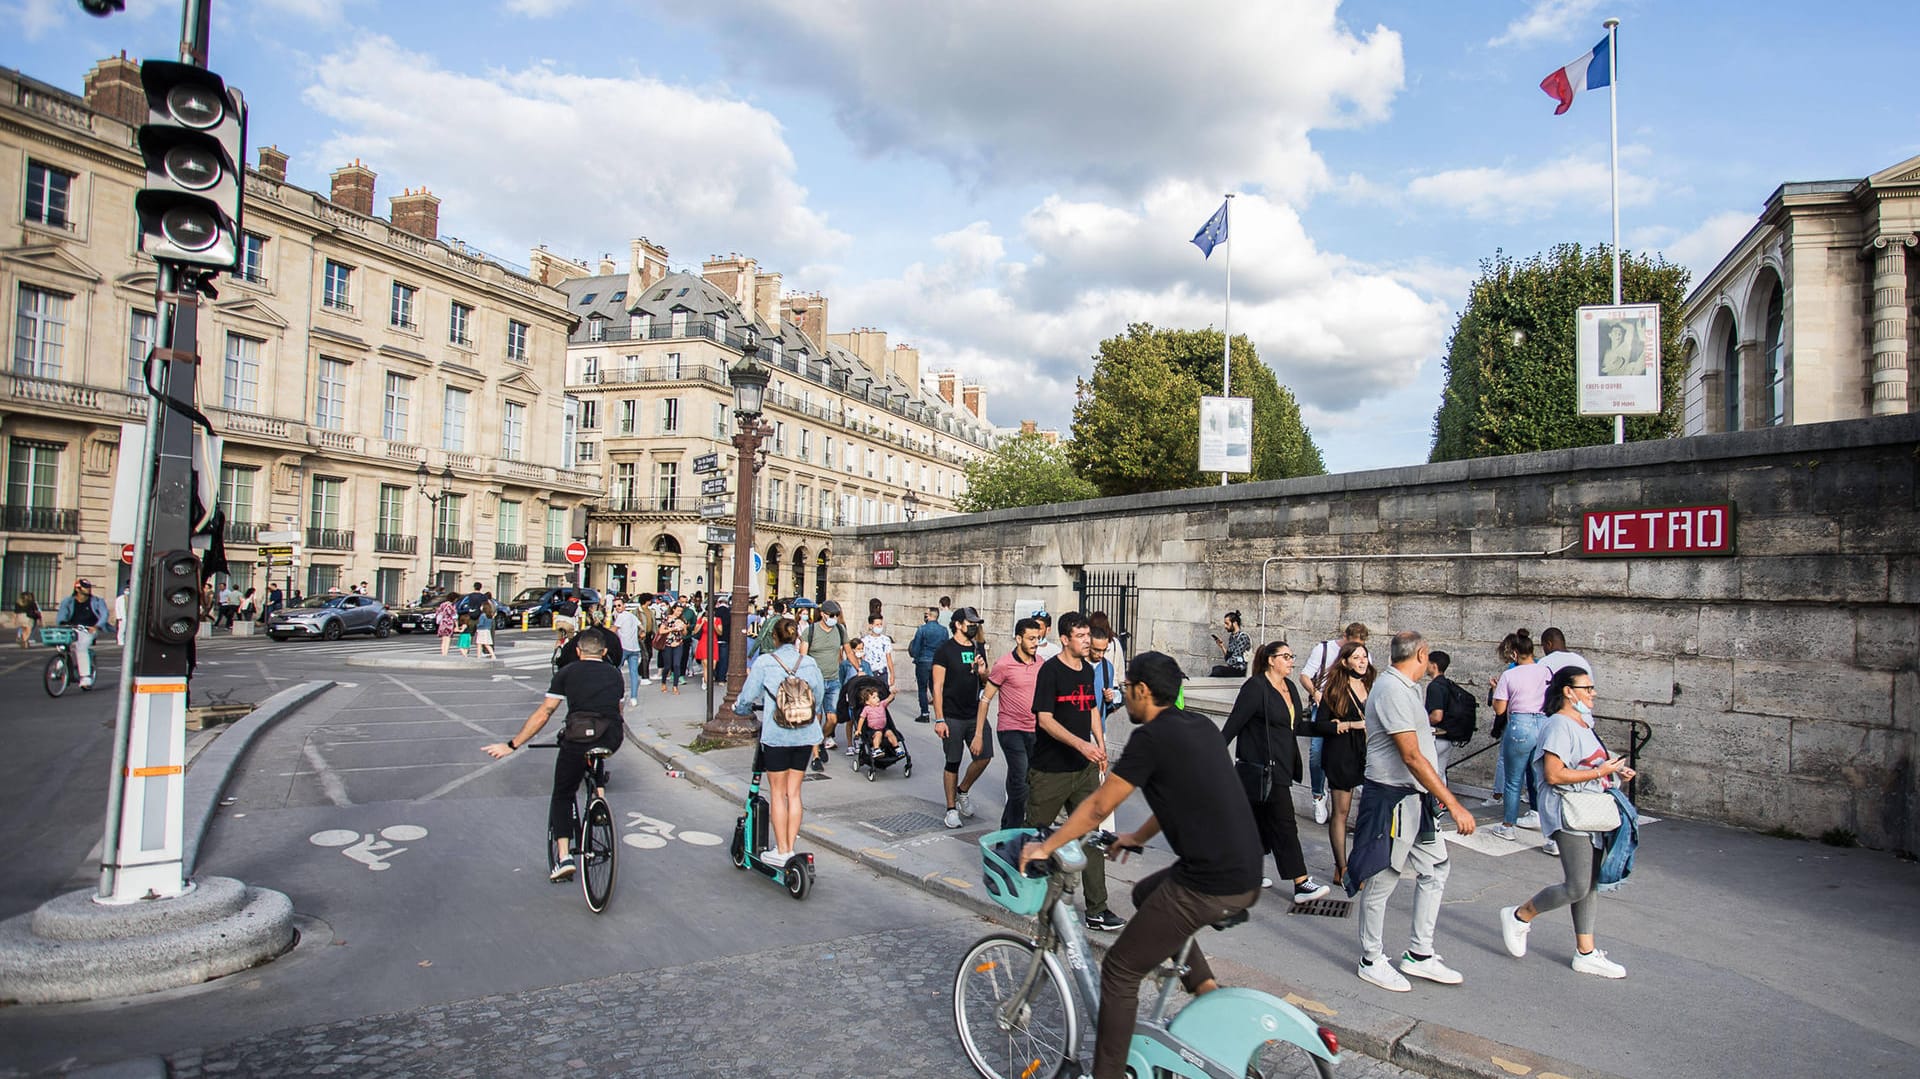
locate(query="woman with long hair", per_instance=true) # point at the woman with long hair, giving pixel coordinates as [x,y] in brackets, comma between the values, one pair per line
[1267,717]
[676,652]
[1520,697]
[1341,719]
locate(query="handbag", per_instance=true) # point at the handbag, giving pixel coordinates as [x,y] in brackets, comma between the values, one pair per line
[1257,779]
[584,727]
[1589,811]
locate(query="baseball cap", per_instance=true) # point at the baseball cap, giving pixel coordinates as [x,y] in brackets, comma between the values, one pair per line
[831,607]
[82,582]
[965,614]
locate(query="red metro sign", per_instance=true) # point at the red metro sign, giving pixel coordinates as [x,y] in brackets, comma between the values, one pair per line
[1657,533]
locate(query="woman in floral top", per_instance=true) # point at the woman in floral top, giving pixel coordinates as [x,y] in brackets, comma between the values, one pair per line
[445,622]
[676,664]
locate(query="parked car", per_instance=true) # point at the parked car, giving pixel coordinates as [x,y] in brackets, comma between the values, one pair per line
[409,619]
[537,603]
[330,618]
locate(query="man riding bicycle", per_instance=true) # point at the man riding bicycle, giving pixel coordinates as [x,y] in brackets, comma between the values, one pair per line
[592,691]
[88,615]
[1174,757]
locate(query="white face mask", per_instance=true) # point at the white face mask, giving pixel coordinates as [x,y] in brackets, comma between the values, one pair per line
[1585,712]
[876,629]
[827,621]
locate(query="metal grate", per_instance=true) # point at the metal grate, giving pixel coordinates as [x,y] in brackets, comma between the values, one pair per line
[1325,908]
[1115,593]
[902,824]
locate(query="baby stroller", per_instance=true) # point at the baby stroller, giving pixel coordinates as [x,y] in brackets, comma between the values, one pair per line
[865,757]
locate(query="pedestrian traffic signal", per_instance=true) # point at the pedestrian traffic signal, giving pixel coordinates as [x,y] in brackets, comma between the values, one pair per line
[194,144]
[174,614]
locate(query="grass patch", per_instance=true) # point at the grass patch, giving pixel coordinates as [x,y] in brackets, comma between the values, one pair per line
[701,745]
[1839,837]
[1781,831]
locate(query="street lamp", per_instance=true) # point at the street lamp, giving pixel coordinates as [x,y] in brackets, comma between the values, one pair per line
[911,504]
[421,476]
[749,378]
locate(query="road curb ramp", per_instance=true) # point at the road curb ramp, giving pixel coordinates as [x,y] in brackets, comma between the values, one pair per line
[208,774]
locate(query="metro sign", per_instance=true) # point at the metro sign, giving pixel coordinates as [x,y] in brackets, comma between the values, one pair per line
[1657,533]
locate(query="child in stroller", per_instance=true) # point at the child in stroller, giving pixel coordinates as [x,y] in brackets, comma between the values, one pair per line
[876,737]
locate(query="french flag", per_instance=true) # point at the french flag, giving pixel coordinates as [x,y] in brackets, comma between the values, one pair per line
[1590,72]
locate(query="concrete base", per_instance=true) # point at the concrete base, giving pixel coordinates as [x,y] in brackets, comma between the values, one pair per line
[72,948]
[242,629]
[428,662]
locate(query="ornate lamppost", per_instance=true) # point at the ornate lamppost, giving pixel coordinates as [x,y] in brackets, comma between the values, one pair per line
[911,504]
[421,476]
[749,378]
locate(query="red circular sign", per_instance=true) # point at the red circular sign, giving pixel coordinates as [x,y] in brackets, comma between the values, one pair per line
[576,552]
[126,553]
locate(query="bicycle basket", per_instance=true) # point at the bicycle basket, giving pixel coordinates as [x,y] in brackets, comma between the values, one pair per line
[56,635]
[999,862]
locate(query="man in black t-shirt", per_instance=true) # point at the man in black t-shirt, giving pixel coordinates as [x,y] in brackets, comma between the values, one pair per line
[1174,757]
[592,688]
[959,668]
[1069,748]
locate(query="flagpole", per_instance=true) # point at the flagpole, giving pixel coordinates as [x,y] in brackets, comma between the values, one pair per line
[1226,348]
[1613,127]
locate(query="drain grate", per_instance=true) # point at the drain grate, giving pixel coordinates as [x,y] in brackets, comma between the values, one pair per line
[903,824]
[1325,908]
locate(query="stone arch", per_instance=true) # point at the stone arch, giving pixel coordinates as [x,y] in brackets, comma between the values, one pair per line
[1722,357]
[775,553]
[801,561]
[820,562]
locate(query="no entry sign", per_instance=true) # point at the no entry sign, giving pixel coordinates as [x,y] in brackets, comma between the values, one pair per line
[576,552]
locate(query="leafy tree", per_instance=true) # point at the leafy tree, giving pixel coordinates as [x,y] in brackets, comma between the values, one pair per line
[1510,380]
[1136,425]
[1025,470]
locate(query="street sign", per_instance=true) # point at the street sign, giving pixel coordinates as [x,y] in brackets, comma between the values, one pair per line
[277,551]
[720,534]
[126,553]
[883,558]
[711,510]
[576,553]
[707,462]
[1659,532]
[291,535]
[716,485]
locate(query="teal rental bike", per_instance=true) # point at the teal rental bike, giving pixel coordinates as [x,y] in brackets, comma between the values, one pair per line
[1014,1006]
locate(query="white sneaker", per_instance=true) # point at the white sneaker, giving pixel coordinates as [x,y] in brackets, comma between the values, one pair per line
[853,750]
[1320,810]
[1430,968]
[1530,820]
[964,802]
[772,856]
[1513,932]
[646,681]
[952,818]
[1504,831]
[1383,975]
[1550,847]
[1266,882]
[1596,962]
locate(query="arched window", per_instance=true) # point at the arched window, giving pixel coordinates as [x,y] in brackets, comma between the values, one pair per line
[1776,356]
[1730,364]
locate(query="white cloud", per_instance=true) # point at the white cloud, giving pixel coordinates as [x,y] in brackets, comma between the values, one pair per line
[1702,248]
[1546,20]
[35,17]
[1512,194]
[1219,91]
[578,162]
[538,9]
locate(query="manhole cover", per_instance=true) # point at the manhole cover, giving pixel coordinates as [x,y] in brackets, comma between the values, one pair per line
[900,824]
[811,776]
[1326,908]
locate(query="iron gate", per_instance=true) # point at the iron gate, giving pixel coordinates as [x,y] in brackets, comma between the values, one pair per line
[1114,592]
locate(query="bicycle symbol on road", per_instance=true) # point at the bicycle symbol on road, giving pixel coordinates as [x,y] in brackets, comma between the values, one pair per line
[652,833]
[367,848]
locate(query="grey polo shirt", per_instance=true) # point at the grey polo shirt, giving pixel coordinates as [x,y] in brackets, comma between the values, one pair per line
[1396,705]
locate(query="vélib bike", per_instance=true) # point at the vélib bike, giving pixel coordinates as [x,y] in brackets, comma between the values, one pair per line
[595,840]
[57,675]
[1014,1005]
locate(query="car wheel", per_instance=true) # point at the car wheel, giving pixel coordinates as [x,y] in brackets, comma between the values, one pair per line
[382,629]
[332,631]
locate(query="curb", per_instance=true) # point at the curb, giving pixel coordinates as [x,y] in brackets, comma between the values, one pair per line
[1434,1050]
[214,765]
[426,663]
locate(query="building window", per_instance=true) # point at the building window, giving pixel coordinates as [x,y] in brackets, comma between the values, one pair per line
[630,368]
[253,258]
[400,311]
[589,415]
[330,396]
[386,586]
[39,332]
[240,382]
[453,421]
[587,300]
[33,473]
[780,438]
[236,492]
[396,412]
[334,289]
[719,419]
[623,535]
[509,528]
[590,370]
[516,341]
[324,507]
[1730,364]
[139,344]
[776,493]
[596,328]
[666,483]
[448,514]
[322,578]
[629,417]
[459,324]
[670,416]
[569,427]
[673,365]
[392,517]
[626,481]
[556,527]
[513,430]
[587,451]
[49,195]
[806,444]
[1775,352]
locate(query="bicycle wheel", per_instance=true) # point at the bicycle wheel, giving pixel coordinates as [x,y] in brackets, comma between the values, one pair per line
[1285,1060]
[598,842]
[1043,1034]
[57,675]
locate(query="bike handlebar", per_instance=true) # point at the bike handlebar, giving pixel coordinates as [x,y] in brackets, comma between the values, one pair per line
[1100,839]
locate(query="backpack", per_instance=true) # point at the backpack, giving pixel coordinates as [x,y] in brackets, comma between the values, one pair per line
[792,699]
[1458,716]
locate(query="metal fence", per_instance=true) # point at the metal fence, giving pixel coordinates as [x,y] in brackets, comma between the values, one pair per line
[1114,592]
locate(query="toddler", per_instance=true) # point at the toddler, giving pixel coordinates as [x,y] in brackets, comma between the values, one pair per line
[873,722]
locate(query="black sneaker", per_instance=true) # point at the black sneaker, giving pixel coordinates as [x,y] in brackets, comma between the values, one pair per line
[1308,890]
[1105,920]
[563,871]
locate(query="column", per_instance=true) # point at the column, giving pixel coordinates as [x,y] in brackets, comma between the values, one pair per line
[1890,324]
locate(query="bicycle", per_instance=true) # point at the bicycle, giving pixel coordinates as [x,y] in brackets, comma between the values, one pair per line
[1015,1012]
[595,840]
[58,673]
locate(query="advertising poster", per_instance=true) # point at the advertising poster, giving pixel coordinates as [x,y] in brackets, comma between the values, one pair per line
[1226,434]
[1617,359]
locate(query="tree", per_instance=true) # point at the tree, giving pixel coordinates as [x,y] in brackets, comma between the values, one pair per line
[1136,424]
[1025,470]
[1510,380]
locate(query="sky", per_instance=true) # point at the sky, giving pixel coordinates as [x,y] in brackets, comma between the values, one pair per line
[1003,185]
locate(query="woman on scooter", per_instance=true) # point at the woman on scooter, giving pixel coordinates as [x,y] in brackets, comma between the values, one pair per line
[784,750]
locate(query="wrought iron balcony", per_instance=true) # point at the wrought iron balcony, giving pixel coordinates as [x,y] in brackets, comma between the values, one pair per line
[46,519]
[509,552]
[555,556]
[452,548]
[243,531]
[330,539]
[390,543]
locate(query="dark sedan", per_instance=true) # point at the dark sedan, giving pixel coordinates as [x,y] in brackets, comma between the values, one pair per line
[331,618]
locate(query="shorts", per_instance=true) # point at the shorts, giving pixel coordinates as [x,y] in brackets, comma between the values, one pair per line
[785,758]
[958,737]
[562,622]
[483,637]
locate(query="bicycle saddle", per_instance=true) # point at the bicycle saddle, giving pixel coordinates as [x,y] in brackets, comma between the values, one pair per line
[1231,920]
[599,752]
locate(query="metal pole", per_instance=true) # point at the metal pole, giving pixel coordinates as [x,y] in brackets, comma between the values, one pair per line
[1226,347]
[196,17]
[1613,127]
[721,722]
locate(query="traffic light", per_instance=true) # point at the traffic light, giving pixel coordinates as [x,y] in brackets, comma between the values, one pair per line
[175,612]
[195,147]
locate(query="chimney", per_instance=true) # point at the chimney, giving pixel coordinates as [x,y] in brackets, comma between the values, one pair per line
[1029,427]
[732,275]
[905,366]
[273,163]
[973,398]
[551,269]
[947,381]
[809,312]
[113,89]
[607,266]
[417,212]
[766,298]
[648,267]
[353,188]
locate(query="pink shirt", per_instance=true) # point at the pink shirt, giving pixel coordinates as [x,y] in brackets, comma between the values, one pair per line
[1524,688]
[1014,682]
[875,716]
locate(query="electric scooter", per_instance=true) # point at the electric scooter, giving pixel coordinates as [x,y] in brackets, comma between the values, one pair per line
[796,876]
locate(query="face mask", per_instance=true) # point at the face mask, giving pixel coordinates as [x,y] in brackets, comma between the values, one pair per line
[827,621]
[877,629]
[1585,712]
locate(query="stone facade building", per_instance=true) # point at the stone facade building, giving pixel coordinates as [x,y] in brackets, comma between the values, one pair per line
[1814,314]
[348,353]
[856,438]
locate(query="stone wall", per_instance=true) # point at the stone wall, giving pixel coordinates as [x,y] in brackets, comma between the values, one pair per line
[1779,684]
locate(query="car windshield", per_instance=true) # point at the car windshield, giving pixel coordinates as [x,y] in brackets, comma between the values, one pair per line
[316,602]
[530,595]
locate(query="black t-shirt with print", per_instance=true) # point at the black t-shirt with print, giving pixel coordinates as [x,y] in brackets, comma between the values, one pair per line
[1191,787]
[960,696]
[1068,694]
[589,687]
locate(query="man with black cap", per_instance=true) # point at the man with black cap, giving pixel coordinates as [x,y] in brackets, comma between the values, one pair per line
[88,615]
[958,669]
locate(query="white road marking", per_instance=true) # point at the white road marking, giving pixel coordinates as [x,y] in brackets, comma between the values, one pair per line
[330,783]
[440,708]
[334,837]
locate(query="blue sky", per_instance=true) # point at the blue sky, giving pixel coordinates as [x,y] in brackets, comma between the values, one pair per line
[1005,184]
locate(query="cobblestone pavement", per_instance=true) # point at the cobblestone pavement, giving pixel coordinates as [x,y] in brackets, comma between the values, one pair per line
[873,1005]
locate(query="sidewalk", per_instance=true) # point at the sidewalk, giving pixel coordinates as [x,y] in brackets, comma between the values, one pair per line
[1748,955]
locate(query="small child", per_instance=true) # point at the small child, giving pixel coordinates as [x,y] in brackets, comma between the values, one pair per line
[873,723]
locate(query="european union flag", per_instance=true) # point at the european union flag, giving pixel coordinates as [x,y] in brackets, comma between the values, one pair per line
[1213,233]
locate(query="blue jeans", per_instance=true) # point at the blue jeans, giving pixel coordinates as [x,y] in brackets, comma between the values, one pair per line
[829,700]
[630,660]
[923,678]
[1516,753]
[1016,748]
[1315,773]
